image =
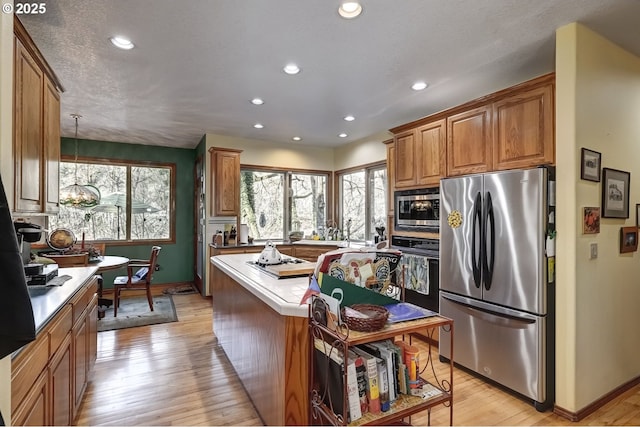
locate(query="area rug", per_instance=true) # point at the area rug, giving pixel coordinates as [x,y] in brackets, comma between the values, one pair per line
[135,312]
[180,290]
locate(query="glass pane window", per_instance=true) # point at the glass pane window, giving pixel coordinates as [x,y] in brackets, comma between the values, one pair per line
[307,202]
[362,202]
[262,203]
[144,215]
[273,202]
[354,201]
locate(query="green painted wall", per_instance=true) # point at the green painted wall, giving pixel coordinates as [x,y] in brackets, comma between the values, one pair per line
[176,260]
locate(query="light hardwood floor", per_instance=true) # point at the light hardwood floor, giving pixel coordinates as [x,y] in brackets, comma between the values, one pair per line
[175,374]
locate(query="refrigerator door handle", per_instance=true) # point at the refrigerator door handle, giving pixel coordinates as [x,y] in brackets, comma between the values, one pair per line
[476,234]
[490,312]
[489,241]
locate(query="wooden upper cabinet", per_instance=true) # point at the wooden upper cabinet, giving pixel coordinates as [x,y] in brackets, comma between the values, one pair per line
[405,166]
[469,141]
[391,174]
[523,129]
[36,134]
[51,147]
[431,153]
[225,181]
[28,132]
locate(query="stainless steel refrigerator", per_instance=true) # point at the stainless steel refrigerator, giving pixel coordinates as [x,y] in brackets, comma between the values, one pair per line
[493,279]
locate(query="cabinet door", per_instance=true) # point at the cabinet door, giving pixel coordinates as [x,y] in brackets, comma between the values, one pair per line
[391,176]
[34,409]
[226,183]
[431,153]
[60,369]
[405,169]
[27,131]
[92,331]
[80,362]
[469,142]
[51,147]
[523,129]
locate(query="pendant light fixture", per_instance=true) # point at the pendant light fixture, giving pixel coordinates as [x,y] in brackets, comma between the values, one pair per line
[79,196]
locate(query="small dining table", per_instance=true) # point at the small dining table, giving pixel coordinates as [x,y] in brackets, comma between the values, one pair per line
[106,263]
[110,262]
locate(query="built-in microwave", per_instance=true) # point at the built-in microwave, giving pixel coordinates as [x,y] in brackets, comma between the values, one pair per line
[417,210]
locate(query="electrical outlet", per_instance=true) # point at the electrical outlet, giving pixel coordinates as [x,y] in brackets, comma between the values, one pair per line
[593,251]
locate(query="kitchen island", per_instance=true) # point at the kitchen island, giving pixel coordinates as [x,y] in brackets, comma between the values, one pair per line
[263,329]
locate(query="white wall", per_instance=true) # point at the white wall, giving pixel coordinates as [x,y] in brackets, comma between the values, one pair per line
[6,167]
[597,107]
[362,152]
[264,153]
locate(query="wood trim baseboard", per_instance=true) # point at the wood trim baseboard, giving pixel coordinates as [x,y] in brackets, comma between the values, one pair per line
[155,289]
[597,404]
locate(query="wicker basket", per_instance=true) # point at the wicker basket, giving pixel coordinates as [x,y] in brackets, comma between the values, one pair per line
[377,318]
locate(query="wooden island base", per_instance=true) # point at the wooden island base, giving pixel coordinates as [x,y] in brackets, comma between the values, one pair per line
[268,350]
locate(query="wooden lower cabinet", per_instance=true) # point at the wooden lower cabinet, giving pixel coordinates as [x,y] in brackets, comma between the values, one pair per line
[34,409]
[312,252]
[49,376]
[81,361]
[60,384]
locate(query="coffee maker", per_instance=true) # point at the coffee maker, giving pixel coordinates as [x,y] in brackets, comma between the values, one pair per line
[36,273]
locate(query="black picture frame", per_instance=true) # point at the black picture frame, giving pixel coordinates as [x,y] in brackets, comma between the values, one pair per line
[590,162]
[638,215]
[615,193]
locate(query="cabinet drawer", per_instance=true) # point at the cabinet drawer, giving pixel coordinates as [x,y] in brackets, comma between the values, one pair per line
[82,298]
[60,327]
[26,370]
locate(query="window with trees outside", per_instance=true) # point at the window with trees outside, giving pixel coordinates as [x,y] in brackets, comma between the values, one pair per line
[362,201]
[274,203]
[136,201]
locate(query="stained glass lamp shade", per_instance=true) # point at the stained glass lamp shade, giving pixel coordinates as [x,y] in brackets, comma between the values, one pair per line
[79,196]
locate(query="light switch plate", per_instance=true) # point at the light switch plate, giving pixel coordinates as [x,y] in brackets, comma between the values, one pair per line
[593,251]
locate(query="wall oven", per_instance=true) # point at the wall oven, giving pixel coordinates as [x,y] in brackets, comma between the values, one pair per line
[421,271]
[417,210]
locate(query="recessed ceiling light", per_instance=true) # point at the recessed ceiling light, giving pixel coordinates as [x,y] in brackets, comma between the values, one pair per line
[122,42]
[343,135]
[350,9]
[297,138]
[257,101]
[258,126]
[419,85]
[349,118]
[291,69]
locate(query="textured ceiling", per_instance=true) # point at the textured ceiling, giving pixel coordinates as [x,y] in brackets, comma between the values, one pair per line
[197,63]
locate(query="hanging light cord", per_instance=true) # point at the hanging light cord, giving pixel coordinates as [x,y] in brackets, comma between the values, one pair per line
[76,116]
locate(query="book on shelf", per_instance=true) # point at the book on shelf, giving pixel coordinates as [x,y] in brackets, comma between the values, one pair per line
[353,394]
[387,351]
[361,378]
[373,390]
[329,365]
[383,385]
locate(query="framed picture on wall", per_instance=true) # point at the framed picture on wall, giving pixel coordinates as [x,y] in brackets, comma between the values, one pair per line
[628,239]
[591,220]
[590,165]
[615,193]
[637,215]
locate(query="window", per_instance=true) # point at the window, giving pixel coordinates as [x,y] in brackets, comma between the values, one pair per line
[274,202]
[362,201]
[148,186]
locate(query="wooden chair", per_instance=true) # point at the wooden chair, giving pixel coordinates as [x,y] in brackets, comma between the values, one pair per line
[139,274]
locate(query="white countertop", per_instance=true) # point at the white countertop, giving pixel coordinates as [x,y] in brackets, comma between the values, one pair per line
[282,295]
[47,301]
